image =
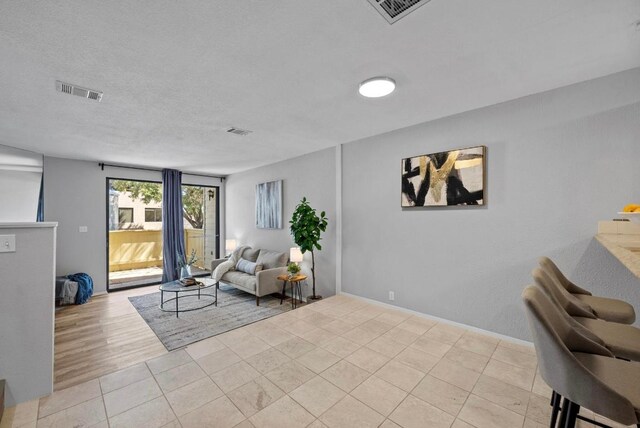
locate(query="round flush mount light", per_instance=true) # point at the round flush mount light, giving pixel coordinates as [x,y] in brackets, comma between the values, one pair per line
[377,87]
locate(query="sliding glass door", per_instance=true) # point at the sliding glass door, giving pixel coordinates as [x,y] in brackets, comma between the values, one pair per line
[134,223]
[200,210]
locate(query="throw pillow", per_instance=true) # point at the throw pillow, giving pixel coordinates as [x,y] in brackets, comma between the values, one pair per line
[250,254]
[272,259]
[246,266]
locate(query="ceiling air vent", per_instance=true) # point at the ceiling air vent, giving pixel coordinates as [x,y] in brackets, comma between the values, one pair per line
[238,131]
[394,10]
[70,89]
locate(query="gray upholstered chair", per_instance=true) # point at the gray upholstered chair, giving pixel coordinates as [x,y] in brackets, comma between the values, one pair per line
[621,339]
[579,369]
[605,308]
[547,264]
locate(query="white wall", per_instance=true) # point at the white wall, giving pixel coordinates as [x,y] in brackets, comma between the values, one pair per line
[26,311]
[20,175]
[75,195]
[557,163]
[313,176]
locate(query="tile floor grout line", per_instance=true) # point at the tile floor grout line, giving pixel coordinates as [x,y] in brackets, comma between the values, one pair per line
[365,346]
[68,407]
[526,412]
[138,405]
[104,407]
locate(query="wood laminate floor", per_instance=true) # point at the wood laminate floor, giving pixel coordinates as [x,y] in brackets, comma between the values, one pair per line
[101,337]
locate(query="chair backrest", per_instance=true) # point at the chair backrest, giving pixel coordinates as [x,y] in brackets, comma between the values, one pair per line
[555,342]
[569,303]
[552,269]
[551,294]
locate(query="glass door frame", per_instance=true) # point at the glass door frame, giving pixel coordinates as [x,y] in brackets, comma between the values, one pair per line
[107,208]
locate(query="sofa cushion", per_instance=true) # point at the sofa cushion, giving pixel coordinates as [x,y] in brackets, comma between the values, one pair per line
[271,259]
[248,267]
[250,254]
[241,279]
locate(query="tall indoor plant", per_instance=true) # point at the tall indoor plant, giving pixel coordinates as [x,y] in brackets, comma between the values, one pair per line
[306,228]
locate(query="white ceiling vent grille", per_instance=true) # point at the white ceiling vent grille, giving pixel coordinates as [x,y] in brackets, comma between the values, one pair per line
[70,89]
[394,10]
[238,131]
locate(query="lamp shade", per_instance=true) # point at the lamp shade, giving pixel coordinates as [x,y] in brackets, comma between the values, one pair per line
[230,245]
[295,255]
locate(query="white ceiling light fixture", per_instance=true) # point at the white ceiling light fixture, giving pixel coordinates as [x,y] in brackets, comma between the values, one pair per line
[377,87]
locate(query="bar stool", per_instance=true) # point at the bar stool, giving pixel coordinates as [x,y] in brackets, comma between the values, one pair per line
[621,339]
[579,369]
[605,308]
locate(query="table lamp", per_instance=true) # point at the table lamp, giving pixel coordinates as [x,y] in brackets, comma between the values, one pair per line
[295,255]
[230,246]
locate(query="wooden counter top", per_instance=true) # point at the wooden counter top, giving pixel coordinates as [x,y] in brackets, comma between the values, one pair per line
[624,247]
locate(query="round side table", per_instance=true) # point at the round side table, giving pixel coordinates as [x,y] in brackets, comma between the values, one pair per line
[296,288]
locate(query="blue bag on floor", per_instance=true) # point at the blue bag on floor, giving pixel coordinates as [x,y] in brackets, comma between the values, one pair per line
[85,287]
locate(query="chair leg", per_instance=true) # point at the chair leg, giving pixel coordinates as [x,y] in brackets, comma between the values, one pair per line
[571,416]
[257,300]
[555,404]
[564,412]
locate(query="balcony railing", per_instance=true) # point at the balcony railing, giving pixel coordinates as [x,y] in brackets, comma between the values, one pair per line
[139,249]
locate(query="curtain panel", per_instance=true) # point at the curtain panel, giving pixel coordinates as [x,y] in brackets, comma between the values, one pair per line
[172,224]
[40,213]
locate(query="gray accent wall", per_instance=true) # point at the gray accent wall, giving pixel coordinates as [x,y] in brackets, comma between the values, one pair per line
[558,162]
[313,176]
[75,195]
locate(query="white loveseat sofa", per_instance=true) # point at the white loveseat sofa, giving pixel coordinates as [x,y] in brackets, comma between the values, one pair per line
[264,282]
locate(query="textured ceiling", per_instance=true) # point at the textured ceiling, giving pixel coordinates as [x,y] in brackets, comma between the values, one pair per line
[175,74]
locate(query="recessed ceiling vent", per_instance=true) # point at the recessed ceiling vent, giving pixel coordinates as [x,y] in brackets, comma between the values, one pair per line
[70,89]
[238,131]
[394,10]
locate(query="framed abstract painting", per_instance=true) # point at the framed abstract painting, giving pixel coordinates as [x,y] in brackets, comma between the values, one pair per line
[269,205]
[452,178]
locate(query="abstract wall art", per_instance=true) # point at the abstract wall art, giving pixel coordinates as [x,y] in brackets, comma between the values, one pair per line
[456,177]
[269,205]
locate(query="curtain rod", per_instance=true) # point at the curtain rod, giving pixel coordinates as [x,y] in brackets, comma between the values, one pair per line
[140,168]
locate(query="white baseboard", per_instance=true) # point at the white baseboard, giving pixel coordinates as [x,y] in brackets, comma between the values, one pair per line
[443,320]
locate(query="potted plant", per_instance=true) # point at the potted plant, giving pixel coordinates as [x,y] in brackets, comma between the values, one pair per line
[293,269]
[185,265]
[306,228]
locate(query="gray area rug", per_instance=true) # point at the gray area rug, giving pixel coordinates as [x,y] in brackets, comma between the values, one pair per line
[235,309]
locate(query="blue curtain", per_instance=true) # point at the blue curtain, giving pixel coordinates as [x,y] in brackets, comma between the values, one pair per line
[172,224]
[40,214]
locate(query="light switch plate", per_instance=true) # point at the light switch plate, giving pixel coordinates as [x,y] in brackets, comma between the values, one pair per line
[7,243]
[82,229]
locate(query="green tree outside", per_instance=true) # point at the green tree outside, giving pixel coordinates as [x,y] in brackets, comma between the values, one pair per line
[192,198]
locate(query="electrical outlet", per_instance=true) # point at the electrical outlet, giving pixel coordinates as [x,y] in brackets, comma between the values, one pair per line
[7,243]
[392,295]
[83,229]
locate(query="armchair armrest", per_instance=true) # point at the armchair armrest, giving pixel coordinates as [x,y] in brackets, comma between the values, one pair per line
[215,263]
[266,280]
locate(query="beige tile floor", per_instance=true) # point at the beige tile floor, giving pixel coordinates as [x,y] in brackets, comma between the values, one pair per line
[341,362]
